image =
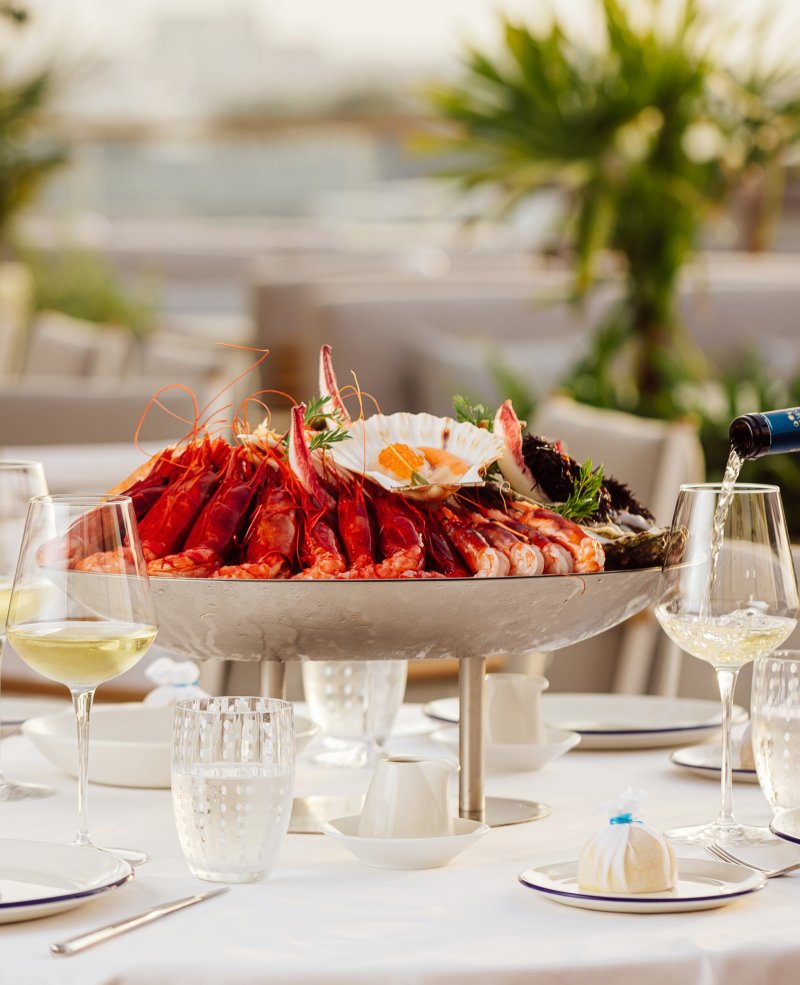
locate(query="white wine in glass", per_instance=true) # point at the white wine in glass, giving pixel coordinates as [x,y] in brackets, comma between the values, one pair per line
[19,481]
[729,596]
[81,627]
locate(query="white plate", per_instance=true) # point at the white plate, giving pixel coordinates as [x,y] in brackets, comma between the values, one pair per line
[786,825]
[516,758]
[702,885]
[706,761]
[619,721]
[38,878]
[404,853]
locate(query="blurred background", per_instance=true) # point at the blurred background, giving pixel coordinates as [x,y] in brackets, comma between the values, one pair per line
[596,213]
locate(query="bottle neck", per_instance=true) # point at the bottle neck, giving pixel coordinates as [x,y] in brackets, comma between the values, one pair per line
[754,435]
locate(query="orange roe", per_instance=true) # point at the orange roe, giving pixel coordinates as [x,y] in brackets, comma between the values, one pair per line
[401,460]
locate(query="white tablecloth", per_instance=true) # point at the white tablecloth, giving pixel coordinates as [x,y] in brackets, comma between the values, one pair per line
[323,917]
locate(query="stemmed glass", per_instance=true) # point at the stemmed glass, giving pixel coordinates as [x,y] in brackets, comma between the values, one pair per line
[729,596]
[74,619]
[19,481]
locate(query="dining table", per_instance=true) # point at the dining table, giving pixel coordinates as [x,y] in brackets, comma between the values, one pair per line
[324,918]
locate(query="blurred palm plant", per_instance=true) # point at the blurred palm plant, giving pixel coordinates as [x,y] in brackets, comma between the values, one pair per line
[646,135]
[26,157]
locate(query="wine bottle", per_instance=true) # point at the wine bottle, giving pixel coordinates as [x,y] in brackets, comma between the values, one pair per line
[754,435]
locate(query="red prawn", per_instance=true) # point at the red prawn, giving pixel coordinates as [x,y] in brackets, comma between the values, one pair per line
[217,527]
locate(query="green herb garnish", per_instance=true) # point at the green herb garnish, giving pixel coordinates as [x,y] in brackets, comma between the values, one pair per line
[325,421]
[469,413]
[323,439]
[584,500]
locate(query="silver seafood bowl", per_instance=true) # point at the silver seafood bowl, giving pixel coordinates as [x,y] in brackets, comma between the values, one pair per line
[384,620]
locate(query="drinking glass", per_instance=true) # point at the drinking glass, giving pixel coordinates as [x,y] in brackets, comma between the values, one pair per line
[19,482]
[775,727]
[729,596]
[232,784]
[355,704]
[81,611]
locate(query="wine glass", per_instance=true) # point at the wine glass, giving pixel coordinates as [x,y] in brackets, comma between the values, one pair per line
[355,704]
[729,596]
[81,611]
[19,481]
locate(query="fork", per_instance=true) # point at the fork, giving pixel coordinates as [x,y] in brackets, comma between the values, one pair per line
[719,853]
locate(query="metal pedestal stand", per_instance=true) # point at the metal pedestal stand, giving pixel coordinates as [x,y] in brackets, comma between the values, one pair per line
[309,813]
[472,802]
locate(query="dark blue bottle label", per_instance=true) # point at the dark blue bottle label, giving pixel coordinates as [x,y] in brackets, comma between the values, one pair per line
[784,426]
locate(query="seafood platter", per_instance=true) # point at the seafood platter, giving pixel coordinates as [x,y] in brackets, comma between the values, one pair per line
[385,537]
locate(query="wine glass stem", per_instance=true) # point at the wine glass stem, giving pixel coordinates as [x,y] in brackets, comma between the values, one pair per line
[3,780]
[726,678]
[82,703]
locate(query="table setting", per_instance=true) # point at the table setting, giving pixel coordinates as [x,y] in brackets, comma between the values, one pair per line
[357,838]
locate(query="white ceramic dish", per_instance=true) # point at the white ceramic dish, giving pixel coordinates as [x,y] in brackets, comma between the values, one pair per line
[516,758]
[304,732]
[404,853]
[786,825]
[619,721]
[702,885]
[130,745]
[38,878]
[706,761]
[16,710]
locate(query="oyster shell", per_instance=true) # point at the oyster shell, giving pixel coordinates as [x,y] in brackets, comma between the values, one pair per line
[473,448]
[638,550]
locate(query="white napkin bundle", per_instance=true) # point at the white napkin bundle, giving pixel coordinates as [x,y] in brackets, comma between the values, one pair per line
[627,856]
[176,679]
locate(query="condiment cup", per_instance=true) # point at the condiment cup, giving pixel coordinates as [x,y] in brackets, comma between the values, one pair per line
[408,798]
[513,713]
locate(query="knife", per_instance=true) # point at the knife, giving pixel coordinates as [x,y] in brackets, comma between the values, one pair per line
[82,941]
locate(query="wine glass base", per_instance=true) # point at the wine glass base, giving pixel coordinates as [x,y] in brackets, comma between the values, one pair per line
[10,791]
[129,855]
[729,836]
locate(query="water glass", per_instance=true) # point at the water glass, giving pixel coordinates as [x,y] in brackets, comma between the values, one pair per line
[775,727]
[355,704]
[232,784]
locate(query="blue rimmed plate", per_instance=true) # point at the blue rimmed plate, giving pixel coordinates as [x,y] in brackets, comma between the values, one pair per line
[706,761]
[619,721]
[38,879]
[786,825]
[702,885]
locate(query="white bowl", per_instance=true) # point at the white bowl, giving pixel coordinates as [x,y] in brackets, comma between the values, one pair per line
[517,758]
[405,853]
[304,732]
[129,745]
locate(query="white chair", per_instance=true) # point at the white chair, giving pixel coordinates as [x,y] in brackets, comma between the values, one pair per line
[62,346]
[87,413]
[654,458]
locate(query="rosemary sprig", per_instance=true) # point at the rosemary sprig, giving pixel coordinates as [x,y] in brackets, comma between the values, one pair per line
[318,413]
[316,419]
[477,414]
[323,439]
[584,500]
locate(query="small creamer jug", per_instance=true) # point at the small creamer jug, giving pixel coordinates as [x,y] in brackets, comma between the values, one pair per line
[408,798]
[513,714]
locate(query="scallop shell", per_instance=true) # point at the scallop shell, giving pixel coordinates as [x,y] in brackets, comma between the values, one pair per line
[475,446]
